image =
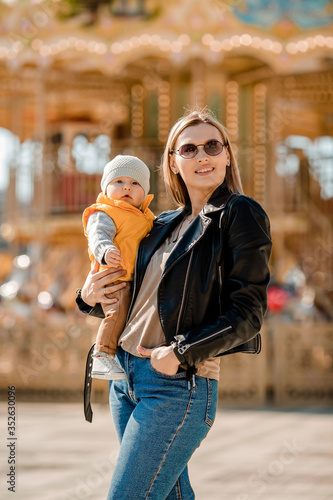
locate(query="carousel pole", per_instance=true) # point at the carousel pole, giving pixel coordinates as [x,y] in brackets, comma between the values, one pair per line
[16,128]
[12,208]
[40,174]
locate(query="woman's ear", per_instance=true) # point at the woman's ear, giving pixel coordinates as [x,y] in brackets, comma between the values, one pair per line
[227,155]
[172,164]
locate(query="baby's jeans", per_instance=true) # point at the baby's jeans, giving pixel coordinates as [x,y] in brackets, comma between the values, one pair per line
[113,324]
[160,420]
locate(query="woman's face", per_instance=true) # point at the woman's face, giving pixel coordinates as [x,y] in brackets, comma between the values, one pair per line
[203,173]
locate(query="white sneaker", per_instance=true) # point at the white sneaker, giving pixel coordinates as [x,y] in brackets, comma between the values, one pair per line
[105,367]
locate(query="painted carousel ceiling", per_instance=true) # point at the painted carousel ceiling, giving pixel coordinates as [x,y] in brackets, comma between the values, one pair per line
[268,13]
[263,14]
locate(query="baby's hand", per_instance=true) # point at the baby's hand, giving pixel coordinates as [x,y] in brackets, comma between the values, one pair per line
[113,257]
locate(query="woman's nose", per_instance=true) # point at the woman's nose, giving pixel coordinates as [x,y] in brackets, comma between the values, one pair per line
[201,154]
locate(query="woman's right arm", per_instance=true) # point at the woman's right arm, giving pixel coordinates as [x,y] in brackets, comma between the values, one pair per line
[96,286]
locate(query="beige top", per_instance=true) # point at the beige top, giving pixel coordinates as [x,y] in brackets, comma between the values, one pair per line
[144,327]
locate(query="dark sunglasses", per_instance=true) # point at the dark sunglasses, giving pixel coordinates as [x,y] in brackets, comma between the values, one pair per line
[187,151]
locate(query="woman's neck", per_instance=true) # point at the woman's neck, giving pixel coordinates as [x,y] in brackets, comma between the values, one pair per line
[196,210]
[198,201]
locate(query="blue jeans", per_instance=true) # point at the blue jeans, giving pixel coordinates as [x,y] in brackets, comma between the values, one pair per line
[159,422]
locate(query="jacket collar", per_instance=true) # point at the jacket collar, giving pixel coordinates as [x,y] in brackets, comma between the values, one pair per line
[105,200]
[200,224]
[218,199]
[215,202]
[167,222]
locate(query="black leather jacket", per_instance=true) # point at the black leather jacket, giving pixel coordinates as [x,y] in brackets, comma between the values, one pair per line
[212,294]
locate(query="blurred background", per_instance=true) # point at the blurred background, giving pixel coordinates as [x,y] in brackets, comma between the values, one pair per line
[83,81]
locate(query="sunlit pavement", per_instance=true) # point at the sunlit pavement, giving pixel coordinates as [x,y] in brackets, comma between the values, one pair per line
[248,455]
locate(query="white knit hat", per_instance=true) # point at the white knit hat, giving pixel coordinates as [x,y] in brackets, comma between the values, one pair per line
[126,166]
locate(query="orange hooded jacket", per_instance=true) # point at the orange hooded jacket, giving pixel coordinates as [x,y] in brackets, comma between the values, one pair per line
[132,225]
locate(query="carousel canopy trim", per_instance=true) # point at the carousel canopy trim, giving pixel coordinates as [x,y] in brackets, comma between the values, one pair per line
[164,44]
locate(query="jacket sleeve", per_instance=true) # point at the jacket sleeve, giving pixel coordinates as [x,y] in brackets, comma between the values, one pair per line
[244,268]
[86,309]
[101,231]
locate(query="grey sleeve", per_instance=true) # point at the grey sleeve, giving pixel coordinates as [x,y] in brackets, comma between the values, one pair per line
[101,230]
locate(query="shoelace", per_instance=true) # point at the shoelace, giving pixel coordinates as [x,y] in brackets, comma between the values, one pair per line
[109,362]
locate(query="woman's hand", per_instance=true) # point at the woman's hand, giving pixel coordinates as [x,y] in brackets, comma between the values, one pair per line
[95,287]
[163,359]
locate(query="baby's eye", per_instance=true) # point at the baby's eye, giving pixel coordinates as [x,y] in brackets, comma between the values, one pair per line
[119,181]
[135,183]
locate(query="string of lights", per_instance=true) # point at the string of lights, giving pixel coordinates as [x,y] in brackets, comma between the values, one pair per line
[51,48]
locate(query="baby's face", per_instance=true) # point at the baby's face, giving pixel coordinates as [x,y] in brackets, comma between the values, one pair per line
[126,189]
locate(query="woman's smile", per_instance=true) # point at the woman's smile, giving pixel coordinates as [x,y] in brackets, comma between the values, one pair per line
[204,171]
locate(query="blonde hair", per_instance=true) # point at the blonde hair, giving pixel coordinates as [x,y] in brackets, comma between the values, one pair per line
[174,182]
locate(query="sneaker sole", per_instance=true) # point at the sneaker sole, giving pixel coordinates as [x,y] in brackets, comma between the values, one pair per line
[104,376]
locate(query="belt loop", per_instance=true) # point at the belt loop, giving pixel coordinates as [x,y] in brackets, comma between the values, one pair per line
[190,377]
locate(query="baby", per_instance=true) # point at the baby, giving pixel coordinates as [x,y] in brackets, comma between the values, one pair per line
[114,226]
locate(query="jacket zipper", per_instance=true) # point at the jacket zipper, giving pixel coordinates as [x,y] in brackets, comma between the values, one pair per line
[182,349]
[183,296]
[220,285]
[187,273]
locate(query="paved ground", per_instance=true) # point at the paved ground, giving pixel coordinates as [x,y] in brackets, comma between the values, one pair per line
[248,455]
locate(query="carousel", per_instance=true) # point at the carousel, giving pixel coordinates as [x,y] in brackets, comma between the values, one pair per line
[83,81]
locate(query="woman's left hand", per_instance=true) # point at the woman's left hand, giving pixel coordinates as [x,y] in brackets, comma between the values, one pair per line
[163,359]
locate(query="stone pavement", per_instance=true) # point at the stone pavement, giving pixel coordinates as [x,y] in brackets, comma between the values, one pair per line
[248,455]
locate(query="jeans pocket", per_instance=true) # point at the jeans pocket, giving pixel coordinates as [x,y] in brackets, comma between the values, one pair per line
[180,374]
[211,402]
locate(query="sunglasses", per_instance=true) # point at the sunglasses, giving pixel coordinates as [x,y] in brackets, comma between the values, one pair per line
[187,151]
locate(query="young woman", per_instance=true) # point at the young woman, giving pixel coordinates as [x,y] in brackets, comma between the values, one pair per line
[199,292]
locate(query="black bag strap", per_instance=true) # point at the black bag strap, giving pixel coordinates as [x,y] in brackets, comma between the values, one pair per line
[88,413]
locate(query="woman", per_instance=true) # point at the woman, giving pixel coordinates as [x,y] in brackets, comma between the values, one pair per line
[199,292]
